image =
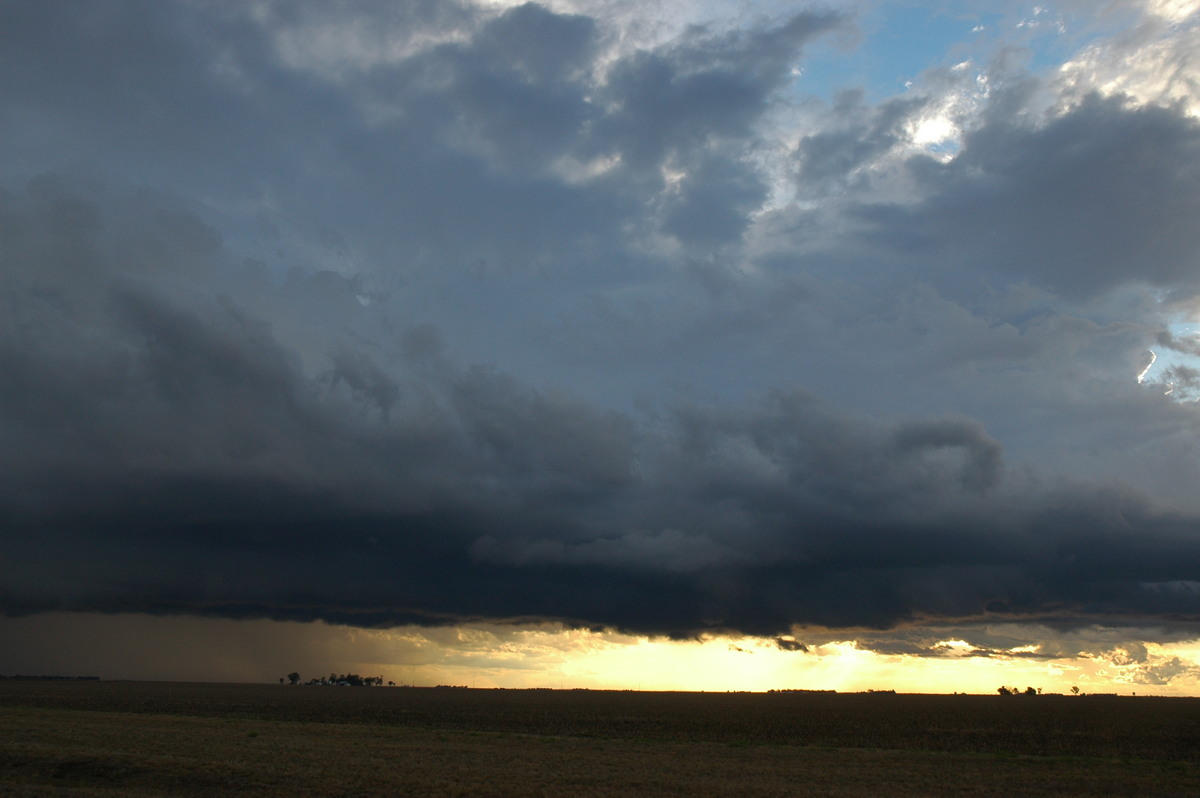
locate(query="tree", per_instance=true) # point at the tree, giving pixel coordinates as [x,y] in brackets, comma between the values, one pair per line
[281,680]
[1074,690]
[1030,691]
[1002,690]
[293,677]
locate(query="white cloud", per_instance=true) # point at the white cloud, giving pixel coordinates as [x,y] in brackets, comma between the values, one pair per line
[1151,62]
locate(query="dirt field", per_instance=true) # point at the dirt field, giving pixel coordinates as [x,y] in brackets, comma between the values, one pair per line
[142,739]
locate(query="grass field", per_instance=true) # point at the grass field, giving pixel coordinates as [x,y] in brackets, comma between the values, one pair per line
[142,739]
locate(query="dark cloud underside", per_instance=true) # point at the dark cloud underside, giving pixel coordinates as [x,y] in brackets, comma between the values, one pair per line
[508,322]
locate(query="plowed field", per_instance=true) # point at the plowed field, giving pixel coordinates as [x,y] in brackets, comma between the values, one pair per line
[143,739]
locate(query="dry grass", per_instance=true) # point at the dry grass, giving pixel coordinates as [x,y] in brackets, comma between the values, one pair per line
[137,739]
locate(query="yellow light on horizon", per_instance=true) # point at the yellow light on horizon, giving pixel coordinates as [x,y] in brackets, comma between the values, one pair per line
[549,655]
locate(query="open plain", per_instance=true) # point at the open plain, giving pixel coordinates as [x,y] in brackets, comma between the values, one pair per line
[149,739]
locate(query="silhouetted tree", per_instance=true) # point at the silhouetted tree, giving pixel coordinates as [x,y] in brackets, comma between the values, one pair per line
[1074,690]
[1030,691]
[1002,690]
[293,677]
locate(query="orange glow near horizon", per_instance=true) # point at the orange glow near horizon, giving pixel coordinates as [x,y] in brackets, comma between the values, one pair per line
[552,657]
[549,656]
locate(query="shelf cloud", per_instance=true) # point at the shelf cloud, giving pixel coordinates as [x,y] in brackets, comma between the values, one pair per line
[438,313]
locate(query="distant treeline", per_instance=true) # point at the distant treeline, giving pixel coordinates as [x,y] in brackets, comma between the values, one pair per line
[53,678]
[344,679]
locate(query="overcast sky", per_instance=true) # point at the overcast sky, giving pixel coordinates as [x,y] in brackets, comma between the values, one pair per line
[670,318]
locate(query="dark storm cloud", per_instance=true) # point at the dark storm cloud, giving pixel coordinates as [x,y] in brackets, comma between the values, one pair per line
[859,134]
[171,454]
[677,106]
[788,644]
[281,334]
[706,86]
[153,91]
[1101,196]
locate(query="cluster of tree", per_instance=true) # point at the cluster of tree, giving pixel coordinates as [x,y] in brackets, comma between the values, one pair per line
[1002,690]
[347,679]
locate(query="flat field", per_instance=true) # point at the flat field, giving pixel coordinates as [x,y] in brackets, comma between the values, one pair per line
[144,739]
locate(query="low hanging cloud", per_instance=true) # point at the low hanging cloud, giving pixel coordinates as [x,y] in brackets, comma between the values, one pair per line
[510,323]
[788,644]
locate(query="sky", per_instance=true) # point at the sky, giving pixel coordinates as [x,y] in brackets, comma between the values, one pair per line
[692,344]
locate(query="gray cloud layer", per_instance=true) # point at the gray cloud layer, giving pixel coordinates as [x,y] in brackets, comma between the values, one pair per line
[493,319]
